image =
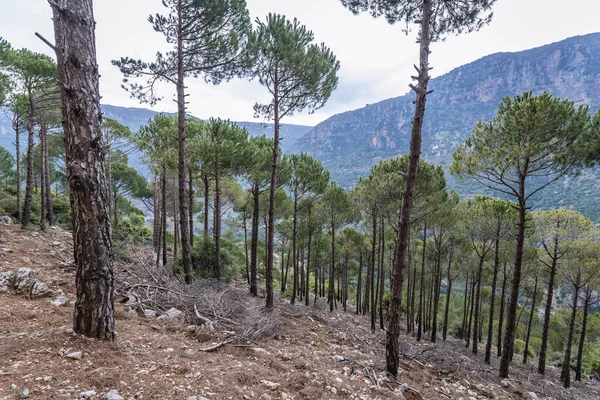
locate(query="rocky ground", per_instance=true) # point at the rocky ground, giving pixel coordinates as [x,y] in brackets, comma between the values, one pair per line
[309,353]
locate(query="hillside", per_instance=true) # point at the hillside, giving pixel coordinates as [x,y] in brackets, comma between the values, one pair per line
[297,352]
[350,143]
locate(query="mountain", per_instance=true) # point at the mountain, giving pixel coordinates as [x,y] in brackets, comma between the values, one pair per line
[350,143]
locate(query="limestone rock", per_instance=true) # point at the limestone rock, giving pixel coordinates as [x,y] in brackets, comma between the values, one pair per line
[113,395]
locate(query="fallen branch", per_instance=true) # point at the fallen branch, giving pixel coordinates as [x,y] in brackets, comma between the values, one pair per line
[216,346]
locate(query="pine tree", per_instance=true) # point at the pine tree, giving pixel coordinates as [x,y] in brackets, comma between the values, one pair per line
[209,40]
[436,18]
[300,76]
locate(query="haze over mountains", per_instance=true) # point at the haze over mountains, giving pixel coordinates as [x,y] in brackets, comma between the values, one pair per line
[349,144]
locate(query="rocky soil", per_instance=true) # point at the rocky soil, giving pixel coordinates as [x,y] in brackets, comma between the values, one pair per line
[308,353]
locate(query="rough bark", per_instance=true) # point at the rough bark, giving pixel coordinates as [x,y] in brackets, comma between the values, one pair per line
[78,77]
[393,332]
[272,192]
[535,292]
[565,373]
[548,311]
[254,242]
[586,303]
[511,318]
[26,219]
[488,346]
[501,318]
[447,306]
[186,252]
[477,302]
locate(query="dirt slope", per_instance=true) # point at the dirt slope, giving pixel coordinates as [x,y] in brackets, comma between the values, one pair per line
[312,355]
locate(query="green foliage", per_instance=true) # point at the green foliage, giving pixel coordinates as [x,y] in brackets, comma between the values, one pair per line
[204,259]
[214,35]
[449,17]
[7,164]
[299,74]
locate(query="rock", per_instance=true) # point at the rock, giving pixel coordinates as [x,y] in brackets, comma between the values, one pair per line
[69,331]
[7,250]
[24,394]
[192,398]
[339,380]
[505,383]
[265,396]
[47,378]
[13,386]
[533,395]
[114,395]
[76,355]
[24,281]
[55,244]
[269,384]
[6,220]
[333,390]
[173,314]
[87,395]
[338,358]
[307,374]
[60,301]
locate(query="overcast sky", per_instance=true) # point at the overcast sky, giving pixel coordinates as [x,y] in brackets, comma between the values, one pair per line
[376,58]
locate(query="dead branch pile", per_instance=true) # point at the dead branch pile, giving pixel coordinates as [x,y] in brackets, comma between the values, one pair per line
[152,290]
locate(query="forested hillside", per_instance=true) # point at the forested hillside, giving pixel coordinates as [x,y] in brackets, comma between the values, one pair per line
[349,144]
[185,257]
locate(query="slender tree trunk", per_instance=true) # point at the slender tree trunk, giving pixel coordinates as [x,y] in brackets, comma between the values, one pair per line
[42,178]
[501,318]
[47,188]
[206,182]
[254,241]
[408,291]
[191,211]
[447,307]
[30,164]
[18,159]
[565,373]
[109,182]
[163,206]
[217,228]
[436,298]
[548,311]
[294,239]
[422,288]
[175,230]
[186,252]
[359,284]
[287,269]
[374,263]
[301,267]
[511,326]
[310,233]
[246,257]
[535,292]
[156,218]
[412,298]
[393,332]
[381,275]
[332,268]
[488,346]
[366,301]
[78,76]
[465,307]
[115,222]
[578,369]
[471,309]
[282,265]
[477,302]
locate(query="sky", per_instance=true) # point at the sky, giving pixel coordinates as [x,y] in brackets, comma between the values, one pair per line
[376,58]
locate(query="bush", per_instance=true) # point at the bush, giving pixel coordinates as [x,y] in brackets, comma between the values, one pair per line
[204,259]
[520,348]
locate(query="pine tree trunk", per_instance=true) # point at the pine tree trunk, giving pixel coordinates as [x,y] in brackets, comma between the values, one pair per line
[359,284]
[331,297]
[579,367]
[447,307]
[191,209]
[393,332]
[511,326]
[78,76]
[308,255]
[501,318]
[471,309]
[246,255]
[115,223]
[422,285]
[282,265]
[156,217]
[477,302]
[367,297]
[206,203]
[465,307]
[163,206]
[254,241]
[565,373]
[25,221]
[381,275]
[408,290]
[412,298]
[47,188]
[294,242]
[490,338]
[175,231]
[436,298]
[217,228]
[548,311]
[535,292]
[374,263]
[43,183]
[186,252]
[18,160]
